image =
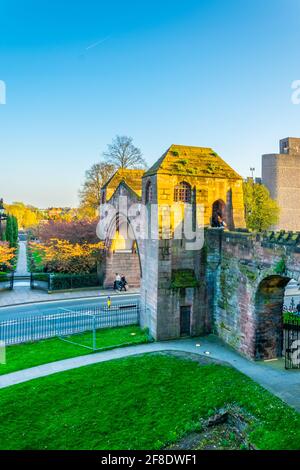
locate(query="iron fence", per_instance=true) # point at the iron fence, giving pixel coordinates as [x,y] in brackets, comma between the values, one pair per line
[7,280]
[58,281]
[67,322]
[40,281]
[291,341]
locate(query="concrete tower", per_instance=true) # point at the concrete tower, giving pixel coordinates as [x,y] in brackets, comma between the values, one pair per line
[281,175]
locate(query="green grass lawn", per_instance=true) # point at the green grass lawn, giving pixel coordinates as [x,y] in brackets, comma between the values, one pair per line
[27,355]
[37,259]
[143,402]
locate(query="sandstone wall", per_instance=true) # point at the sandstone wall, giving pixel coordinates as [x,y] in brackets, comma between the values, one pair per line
[246,284]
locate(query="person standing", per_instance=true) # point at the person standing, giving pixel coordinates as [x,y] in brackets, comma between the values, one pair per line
[123,283]
[117,281]
[108,302]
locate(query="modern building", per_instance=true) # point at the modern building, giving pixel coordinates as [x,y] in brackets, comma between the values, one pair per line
[281,175]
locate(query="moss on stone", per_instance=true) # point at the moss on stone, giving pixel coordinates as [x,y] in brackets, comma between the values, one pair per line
[183,278]
[249,273]
[280,267]
[224,327]
[204,161]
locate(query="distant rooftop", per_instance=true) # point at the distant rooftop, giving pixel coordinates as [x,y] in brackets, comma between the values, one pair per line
[132,178]
[192,161]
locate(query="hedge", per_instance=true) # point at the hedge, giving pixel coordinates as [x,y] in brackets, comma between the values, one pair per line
[4,277]
[73,281]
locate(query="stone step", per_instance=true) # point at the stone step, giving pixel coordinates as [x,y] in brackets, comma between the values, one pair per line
[126,264]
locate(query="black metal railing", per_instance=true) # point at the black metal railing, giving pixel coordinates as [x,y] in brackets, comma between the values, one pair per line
[40,281]
[7,280]
[67,322]
[291,341]
[59,281]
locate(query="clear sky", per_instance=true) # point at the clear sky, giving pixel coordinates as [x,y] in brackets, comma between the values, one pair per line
[196,72]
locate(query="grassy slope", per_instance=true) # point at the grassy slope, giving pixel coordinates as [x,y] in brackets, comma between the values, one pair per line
[27,355]
[37,259]
[140,402]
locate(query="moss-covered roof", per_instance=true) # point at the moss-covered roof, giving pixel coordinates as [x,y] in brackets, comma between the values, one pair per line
[132,178]
[192,161]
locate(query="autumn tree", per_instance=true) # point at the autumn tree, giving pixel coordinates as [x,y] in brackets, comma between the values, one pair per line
[89,194]
[27,216]
[123,154]
[61,256]
[7,255]
[261,211]
[75,231]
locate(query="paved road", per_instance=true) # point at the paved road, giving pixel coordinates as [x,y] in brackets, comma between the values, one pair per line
[60,318]
[282,383]
[22,269]
[22,260]
[52,307]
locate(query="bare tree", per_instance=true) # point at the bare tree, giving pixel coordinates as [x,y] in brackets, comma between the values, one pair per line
[95,178]
[123,154]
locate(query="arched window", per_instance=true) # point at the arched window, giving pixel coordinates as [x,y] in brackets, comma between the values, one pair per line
[182,192]
[149,192]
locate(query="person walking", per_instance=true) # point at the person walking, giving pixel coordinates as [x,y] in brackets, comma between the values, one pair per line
[108,302]
[298,308]
[117,281]
[123,283]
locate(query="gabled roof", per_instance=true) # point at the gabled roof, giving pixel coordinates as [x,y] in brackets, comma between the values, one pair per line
[132,179]
[192,161]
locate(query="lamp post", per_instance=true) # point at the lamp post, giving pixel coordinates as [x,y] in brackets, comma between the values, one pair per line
[3,216]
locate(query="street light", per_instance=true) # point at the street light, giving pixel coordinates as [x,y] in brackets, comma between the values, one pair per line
[3,215]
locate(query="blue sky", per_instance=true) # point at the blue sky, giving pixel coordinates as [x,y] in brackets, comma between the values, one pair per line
[209,72]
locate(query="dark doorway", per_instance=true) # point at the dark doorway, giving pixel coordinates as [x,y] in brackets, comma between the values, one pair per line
[185,320]
[269,301]
[218,213]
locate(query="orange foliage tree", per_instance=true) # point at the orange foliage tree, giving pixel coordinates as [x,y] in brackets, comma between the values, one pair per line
[65,257]
[7,254]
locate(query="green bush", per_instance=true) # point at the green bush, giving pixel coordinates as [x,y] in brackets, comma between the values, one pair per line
[4,277]
[40,277]
[291,317]
[280,267]
[73,281]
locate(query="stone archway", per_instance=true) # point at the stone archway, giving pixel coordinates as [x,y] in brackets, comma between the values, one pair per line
[122,253]
[269,300]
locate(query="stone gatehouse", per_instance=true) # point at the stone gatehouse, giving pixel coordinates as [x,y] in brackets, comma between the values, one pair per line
[173,290]
[232,285]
